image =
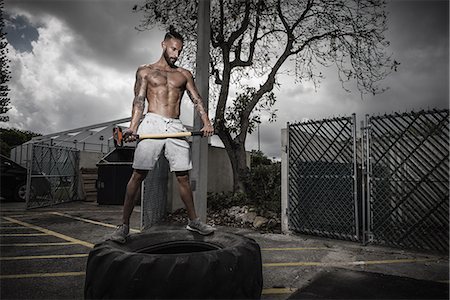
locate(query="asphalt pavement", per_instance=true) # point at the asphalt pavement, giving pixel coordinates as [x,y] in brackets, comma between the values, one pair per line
[43,255]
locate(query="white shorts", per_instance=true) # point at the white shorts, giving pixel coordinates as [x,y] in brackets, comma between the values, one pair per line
[176,150]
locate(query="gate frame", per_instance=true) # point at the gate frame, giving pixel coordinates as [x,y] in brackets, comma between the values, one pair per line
[285,188]
[369,236]
[30,161]
[362,159]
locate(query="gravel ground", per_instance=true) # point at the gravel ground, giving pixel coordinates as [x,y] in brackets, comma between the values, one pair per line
[233,217]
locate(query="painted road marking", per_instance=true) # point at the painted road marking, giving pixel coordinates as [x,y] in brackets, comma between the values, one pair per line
[40,275]
[12,227]
[23,234]
[90,221]
[43,213]
[278,291]
[268,291]
[351,263]
[296,249]
[44,256]
[28,215]
[38,244]
[50,232]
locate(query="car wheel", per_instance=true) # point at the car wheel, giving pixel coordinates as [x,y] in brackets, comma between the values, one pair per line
[21,192]
[175,264]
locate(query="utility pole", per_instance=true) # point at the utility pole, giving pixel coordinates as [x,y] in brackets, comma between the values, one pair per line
[199,173]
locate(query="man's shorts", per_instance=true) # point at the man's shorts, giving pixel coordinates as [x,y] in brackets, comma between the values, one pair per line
[176,150]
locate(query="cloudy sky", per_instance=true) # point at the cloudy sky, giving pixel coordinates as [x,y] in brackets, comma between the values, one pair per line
[73,64]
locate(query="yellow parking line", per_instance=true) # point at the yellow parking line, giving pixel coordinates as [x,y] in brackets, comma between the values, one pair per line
[38,244]
[38,275]
[392,261]
[294,264]
[351,263]
[278,291]
[50,232]
[12,227]
[23,234]
[295,249]
[90,221]
[44,256]
[29,215]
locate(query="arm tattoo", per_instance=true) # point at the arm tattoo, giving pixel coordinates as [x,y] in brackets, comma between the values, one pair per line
[138,107]
[198,103]
[139,104]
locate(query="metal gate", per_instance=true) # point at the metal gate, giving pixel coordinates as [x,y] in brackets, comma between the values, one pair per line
[52,175]
[390,187]
[408,179]
[322,175]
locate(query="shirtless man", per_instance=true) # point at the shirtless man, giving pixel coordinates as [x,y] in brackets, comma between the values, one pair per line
[163,84]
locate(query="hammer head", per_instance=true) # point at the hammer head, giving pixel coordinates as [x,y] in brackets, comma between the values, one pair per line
[118,137]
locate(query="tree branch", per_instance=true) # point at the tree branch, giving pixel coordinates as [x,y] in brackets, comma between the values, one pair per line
[244,25]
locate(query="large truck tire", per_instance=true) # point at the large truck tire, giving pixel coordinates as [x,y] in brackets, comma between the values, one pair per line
[175,264]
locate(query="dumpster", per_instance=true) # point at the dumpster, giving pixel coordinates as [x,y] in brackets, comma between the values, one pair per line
[114,172]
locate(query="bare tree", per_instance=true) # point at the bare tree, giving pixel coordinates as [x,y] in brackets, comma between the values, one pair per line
[255,38]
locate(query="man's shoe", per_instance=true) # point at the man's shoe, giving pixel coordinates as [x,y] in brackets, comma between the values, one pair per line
[200,227]
[120,234]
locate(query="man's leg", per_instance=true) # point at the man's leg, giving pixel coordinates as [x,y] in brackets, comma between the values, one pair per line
[186,195]
[133,188]
[132,192]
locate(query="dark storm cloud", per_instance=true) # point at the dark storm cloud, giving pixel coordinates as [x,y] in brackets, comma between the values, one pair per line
[94,43]
[418,22]
[419,35]
[418,32]
[106,27]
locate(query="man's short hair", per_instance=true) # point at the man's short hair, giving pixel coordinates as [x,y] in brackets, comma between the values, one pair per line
[172,34]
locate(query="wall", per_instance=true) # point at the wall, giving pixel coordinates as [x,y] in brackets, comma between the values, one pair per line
[220,177]
[90,159]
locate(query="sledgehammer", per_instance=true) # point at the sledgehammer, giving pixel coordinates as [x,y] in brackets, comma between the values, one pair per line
[118,135]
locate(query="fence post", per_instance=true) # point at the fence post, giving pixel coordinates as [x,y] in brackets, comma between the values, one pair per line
[368,209]
[29,174]
[363,183]
[284,179]
[355,176]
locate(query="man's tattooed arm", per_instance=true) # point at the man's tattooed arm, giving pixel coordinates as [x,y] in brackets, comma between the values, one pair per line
[208,129]
[140,92]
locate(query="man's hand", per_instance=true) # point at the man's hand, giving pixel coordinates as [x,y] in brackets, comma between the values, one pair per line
[129,135]
[208,130]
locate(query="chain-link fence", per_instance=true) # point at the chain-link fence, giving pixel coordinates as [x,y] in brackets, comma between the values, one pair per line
[408,179]
[391,187]
[322,178]
[52,175]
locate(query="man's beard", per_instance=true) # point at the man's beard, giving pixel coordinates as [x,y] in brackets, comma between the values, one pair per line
[169,60]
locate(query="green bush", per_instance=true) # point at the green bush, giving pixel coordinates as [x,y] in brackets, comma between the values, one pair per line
[219,201]
[263,187]
[10,138]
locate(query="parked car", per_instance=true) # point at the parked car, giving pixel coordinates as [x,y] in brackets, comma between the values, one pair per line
[13,179]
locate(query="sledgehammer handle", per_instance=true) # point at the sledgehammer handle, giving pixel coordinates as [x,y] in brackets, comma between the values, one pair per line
[169,135]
